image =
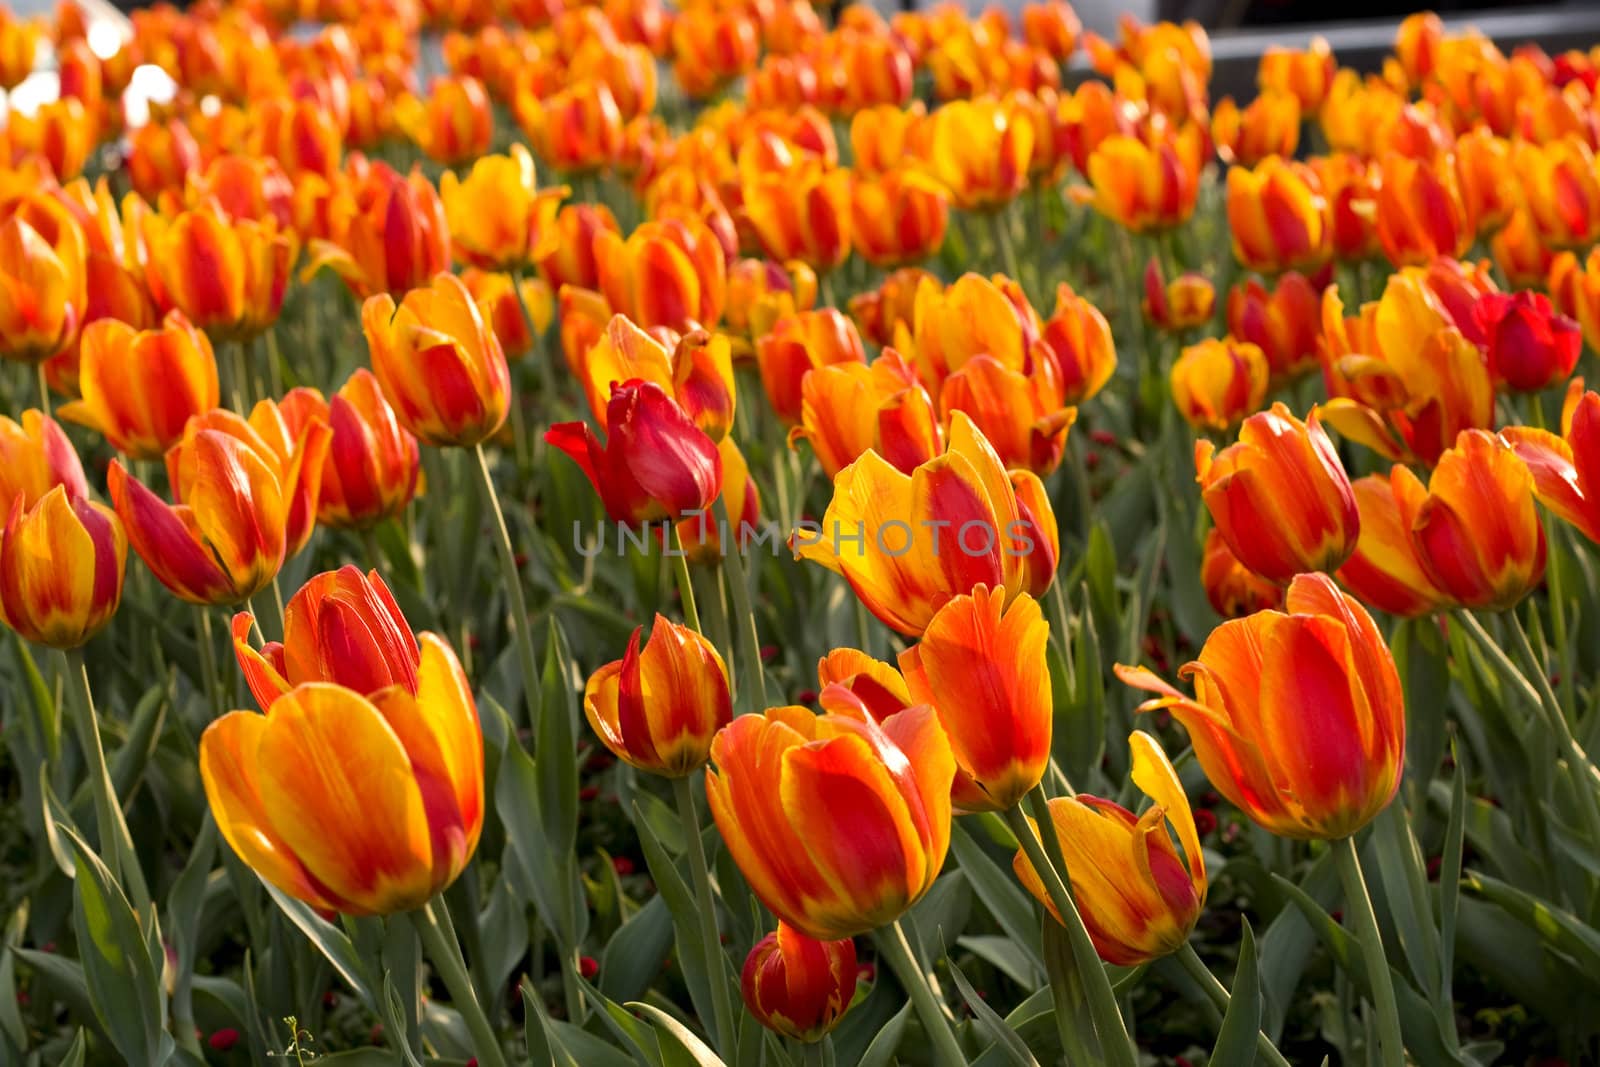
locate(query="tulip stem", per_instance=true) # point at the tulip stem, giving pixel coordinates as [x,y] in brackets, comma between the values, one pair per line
[750,671]
[1001,223]
[116,843]
[547,378]
[896,951]
[208,660]
[1219,996]
[513,583]
[680,569]
[705,904]
[44,387]
[1115,1044]
[241,379]
[1359,905]
[445,954]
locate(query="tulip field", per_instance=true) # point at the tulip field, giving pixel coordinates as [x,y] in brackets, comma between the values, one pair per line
[767,535]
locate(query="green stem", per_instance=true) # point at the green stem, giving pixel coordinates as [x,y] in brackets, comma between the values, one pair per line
[44,387]
[1115,1044]
[547,375]
[680,568]
[445,955]
[1000,222]
[212,679]
[896,951]
[268,354]
[1359,906]
[1218,995]
[750,676]
[520,632]
[116,843]
[710,938]
[241,379]
[812,1053]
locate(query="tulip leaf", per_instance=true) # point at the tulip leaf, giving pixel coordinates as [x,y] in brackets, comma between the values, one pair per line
[1003,1036]
[557,753]
[1236,1041]
[880,1053]
[518,796]
[1006,955]
[1424,666]
[330,941]
[561,1044]
[1450,877]
[65,980]
[1404,882]
[1080,734]
[55,820]
[121,977]
[679,1045]
[627,1028]
[144,729]
[47,713]
[185,908]
[75,1051]
[1491,834]
[635,953]
[1561,930]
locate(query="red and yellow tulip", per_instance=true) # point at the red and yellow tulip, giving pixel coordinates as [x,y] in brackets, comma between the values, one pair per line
[35,457]
[372,468]
[1232,589]
[42,289]
[697,371]
[1077,339]
[1385,571]
[850,407]
[452,124]
[1217,382]
[520,230]
[1283,322]
[1278,216]
[62,561]
[1564,468]
[798,986]
[798,344]
[1183,303]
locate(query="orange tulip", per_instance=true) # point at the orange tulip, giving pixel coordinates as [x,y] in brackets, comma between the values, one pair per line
[1477,534]
[245,187]
[1278,216]
[839,824]
[980,151]
[1269,126]
[574,130]
[1420,211]
[761,293]
[659,709]
[1077,339]
[42,289]
[1183,303]
[1564,468]
[521,229]
[452,124]
[19,46]
[388,233]
[1416,43]
[501,300]
[372,467]
[301,134]
[908,544]
[414,754]
[1307,74]
[1488,182]
[140,387]
[666,273]
[1052,27]
[439,364]
[655,462]
[161,158]
[1574,286]
[1520,253]
[628,71]
[850,407]
[885,314]
[798,344]
[1020,412]
[1385,570]
[974,645]
[1144,187]
[1232,589]
[974,316]
[1216,383]
[36,457]
[1275,686]
[60,134]
[1138,897]
[799,210]
[697,371]
[797,986]
[884,136]
[1084,118]
[1560,190]
[62,561]
[572,261]
[898,218]
[342,627]
[1280,496]
[228,278]
[710,48]
[1349,185]
[1282,322]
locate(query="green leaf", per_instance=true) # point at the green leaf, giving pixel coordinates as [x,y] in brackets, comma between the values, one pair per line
[144,729]
[998,890]
[560,1044]
[330,941]
[75,1051]
[518,794]
[1559,929]
[1236,1041]
[185,908]
[881,1052]
[557,753]
[636,951]
[1002,1035]
[1404,880]
[1005,955]
[630,1032]
[121,977]
[1450,877]
[679,1045]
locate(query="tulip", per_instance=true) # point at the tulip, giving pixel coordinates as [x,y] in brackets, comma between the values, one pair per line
[627,70]
[296,792]
[438,363]
[1477,534]
[704,539]
[659,709]
[341,627]
[58,135]
[981,665]
[797,986]
[1416,43]
[882,138]
[572,261]
[838,824]
[1282,322]
[1052,27]
[452,124]
[301,134]
[800,211]
[1216,383]
[1181,304]
[575,130]
[1564,468]
[1138,896]
[1349,185]
[668,273]
[907,544]
[1280,496]
[161,157]
[1144,187]
[973,316]
[62,561]
[710,48]
[245,187]
[798,344]
[520,230]
[1560,189]
[372,467]
[849,408]
[761,293]
[224,540]
[1275,687]
[1232,589]
[1307,75]
[19,48]
[140,387]
[1420,211]
[980,152]
[850,680]
[697,372]
[1021,414]
[898,218]
[1529,346]
[1077,339]
[228,278]
[518,312]
[655,463]
[36,457]
[1269,126]
[1488,187]
[1278,216]
[1574,287]
[42,291]
[388,233]
[1084,118]
[1384,571]
[1520,253]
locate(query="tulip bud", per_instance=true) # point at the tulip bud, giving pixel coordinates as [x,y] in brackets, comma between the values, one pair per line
[520,230]
[1283,322]
[797,986]
[1529,346]
[372,467]
[1185,302]
[62,561]
[798,344]
[1077,339]
[35,457]
[1216,383]
[1278,216]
